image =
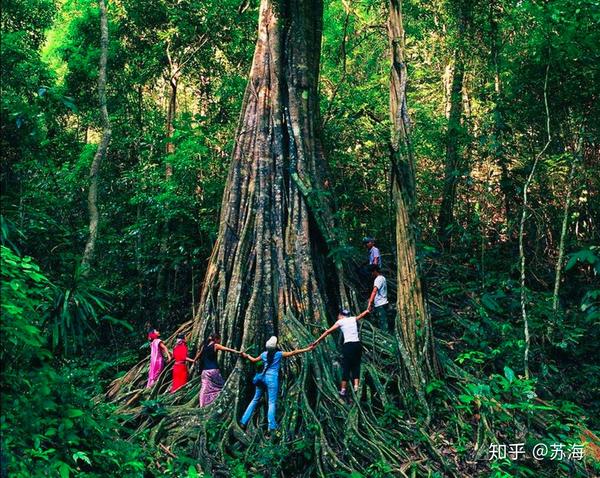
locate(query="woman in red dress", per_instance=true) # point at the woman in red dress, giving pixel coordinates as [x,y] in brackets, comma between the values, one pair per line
[180,371]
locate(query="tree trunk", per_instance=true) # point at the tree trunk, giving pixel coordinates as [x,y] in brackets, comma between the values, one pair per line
[413,325]
[269,273]
[90,245]
[524,212]
[161,280]
[453,160]
[268,262]
[565,222]
[498,125]
[171,111]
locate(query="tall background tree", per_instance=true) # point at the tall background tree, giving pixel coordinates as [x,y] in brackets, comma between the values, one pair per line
[413,324]
[88,252]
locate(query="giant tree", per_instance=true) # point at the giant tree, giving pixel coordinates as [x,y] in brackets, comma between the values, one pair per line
[270,273]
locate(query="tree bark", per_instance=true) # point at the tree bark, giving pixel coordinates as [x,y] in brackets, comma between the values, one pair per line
[565,222]
[453,160]
[453,163]
[413,324]
[498,125]
[88,252]
[266,263]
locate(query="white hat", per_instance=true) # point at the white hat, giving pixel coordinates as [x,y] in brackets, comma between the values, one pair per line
[271,343]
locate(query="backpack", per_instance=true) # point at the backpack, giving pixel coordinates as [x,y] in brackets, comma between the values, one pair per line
[259,378]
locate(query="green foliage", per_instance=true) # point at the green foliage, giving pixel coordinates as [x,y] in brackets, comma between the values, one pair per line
[24,288]
[54,426]
[48,422]
[590,304]
[73,315]
[584,256]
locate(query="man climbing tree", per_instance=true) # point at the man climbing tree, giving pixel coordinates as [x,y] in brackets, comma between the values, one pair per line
[378,301]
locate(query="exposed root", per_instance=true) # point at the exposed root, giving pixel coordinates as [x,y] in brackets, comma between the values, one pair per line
[314,421]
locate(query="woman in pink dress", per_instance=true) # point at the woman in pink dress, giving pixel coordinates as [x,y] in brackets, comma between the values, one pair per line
[157,362]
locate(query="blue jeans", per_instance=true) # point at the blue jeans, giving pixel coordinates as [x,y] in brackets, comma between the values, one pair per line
[272,382]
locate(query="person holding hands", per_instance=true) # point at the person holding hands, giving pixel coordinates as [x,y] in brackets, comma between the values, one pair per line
[268,380]
[351,350]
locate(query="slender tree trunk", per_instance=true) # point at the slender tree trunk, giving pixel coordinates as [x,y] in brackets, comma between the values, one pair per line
[565,222]
[447,81]
[173,81]
[171,111]
[139,237]
[453,160]
[413,324]
[522,231]
[88,252]
[498,126]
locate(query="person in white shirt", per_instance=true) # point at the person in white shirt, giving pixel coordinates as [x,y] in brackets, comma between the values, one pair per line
[351,350]
[378,302]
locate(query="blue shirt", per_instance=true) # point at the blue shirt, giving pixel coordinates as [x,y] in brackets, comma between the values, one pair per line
[373,253]
[275,366]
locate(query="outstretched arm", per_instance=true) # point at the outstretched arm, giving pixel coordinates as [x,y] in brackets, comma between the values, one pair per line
[226,349]
[362,314]
[326,333]
[291,353]
[250,357]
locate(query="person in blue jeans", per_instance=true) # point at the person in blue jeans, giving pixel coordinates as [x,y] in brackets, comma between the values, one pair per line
[271,358]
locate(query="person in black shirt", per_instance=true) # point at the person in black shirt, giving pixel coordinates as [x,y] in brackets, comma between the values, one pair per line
[211,379]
